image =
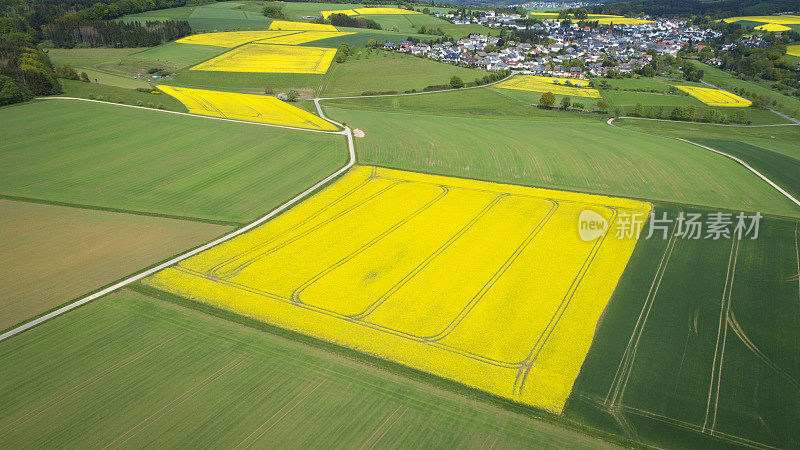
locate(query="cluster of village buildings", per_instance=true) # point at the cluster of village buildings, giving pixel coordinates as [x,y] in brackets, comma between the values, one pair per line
[571,50]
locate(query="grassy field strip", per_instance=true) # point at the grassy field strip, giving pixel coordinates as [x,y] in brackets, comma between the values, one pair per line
[747,166]
[224,119]
[412,93]
[231,235]
[609,121]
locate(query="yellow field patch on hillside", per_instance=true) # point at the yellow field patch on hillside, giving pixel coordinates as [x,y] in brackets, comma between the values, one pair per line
[550,84]
[231,38]
[786,19]
[302,26]
[302,37]
[348,12]
[773,27]
[253,108]
[486,284]
[382,11]
[793,50]
[271,59]
[603,19]
[715,97]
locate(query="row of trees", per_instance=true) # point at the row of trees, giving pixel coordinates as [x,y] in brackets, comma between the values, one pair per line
[343,20]
[70,32]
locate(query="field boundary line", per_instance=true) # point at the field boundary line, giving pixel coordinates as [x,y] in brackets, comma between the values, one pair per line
[411,93]
[703,123]
[224,119]
[134,212]
[138,276]
[738,160]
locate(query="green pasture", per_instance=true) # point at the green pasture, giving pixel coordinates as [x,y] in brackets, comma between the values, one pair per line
[130,159]
[698,346]
[585,155]
[130,370]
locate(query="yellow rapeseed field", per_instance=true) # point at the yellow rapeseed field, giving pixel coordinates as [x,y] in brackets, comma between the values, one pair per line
[550,84]
[603,19]
[303,26]
[715,97]
[348,12]
[786,19]
[302,37]
[259,57]
[773,27]
[368,11]
[380,11]
[253,108]
[793,50]
[231,39]
[486,284]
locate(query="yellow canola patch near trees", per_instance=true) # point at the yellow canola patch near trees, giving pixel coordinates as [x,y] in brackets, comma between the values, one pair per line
[269,58]
[550,84]
[486,284]
[231,39]
[715,97]
[793,50]
[348,12]
[785,19]
[773,27]
[253,108]
[301,26]
[368,12]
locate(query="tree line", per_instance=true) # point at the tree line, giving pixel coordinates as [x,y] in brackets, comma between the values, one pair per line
[71,32]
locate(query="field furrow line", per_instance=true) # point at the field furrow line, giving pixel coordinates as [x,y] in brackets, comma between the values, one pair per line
[144,423]
[291,405]
[87,383]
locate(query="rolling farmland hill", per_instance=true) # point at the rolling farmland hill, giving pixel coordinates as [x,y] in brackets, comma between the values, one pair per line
[213,172]
[580,155]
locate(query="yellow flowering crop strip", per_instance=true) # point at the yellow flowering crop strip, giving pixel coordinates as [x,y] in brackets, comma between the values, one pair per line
[348,12]
[271,58]
[383,11]
[369,12]
[773,27]
[486,284]
[302,37]
[231,39]
[550,84]
[603,19]
[793,50]
[785,19]
[715,97]
[300,26]
[253,108]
